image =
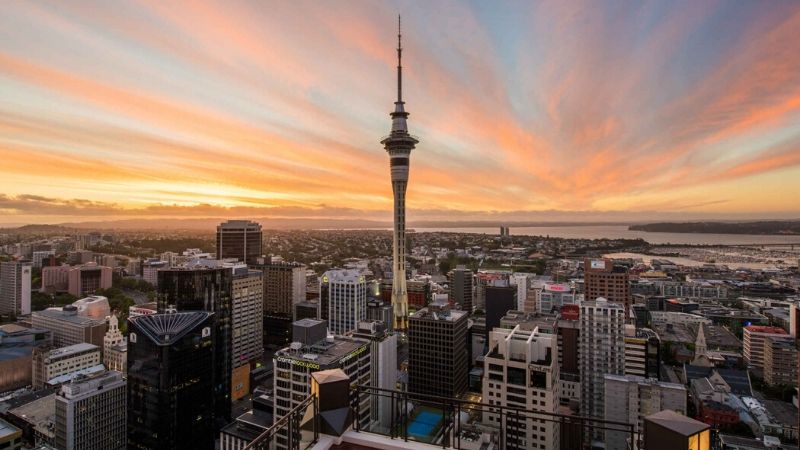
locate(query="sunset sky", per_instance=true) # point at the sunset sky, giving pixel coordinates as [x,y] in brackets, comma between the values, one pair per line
[529,109]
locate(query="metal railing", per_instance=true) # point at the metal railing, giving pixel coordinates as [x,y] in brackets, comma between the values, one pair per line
[458,424]
[293,438]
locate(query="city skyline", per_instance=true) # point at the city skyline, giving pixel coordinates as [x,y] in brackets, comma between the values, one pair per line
[527,112]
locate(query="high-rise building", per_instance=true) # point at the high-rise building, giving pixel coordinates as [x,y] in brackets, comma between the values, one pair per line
[461,292]
[284,287]
[311,352]
[40,258]
[780,361]
[150,270]
[754,338]
[55,279]
[383,367]
[240,239]
[569,332]
[88,278]
[604,279]
[51,363]
[347,300]
[500,299]
[398,145]
[521,371]
[91,413]
[205,286]
[630,399]
[602,351]
[437,351]
[115,347]
[642,352]
[171,386]
[68,327]
[15,288]
[248,307]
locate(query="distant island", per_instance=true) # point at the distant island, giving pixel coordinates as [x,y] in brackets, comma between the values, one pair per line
[787,228]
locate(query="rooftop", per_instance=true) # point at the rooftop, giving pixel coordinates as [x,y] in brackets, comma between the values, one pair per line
[677,422]
[68,315]
[765,329]
[70,350]
[163,329]
[326,352]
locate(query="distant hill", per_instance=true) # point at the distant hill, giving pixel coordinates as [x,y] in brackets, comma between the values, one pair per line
[39,229]
[763,227]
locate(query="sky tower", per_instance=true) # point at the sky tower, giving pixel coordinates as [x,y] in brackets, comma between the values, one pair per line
[399,145]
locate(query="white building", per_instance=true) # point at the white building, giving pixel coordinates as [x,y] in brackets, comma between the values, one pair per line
[753,339]
[383,368]
[521,371]
[40,256]
[115,347]
[91,413]
[248,307]
[523,284]
[15,288]
[602,351]
[347,300]
[49,364]
[553,296]
[629,398]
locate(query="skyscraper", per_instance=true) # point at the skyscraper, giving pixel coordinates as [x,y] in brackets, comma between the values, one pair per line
[399,145]
[170,381]
[603,279]
[90,413]
[240,239]
[201,288]
[437,351]
[601,351]
[284,287]
[347,300]
[15,288]
[461,288]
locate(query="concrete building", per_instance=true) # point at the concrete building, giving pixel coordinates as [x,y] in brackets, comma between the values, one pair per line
[313,351]
[115,347]
[51,363]
[94,306]
[91,413]
[630,399]
[10,436]
[500,298]
[602,351]
[642,352]
[284,287]
[569,331]
[38,257]
[240,239]
[69,328]
[383,367]
[553,296]
[604,279]
[248,316]
[462,292]
[780,361]
[150,270]
[88,278]
[55,279]
[437,351]
[17,344]
[754,338]
[15,288]
[347,300]
[521,371]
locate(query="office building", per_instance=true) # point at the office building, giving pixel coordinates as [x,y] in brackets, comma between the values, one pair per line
[604,279]
[204,285]
[171,385]
[780,361]
[521,370]
[398,145]
[419,292]
[68,327]
[437,347]
[93,306]
[569,331]
[115,347]
[15,288]
[55,279]
[383,367]
[602,351]
[91,413]
[629,399]
[380,311]
[306,310]
[284,287]
[10,436]
[248,307]
[41,258]
[754,338]
[150,270]
[642,352]
[462,291]
[552,296]
[500,299]
[17,344]
[311,352]
[347,300]
[86,279]
[239,239]
[51,363]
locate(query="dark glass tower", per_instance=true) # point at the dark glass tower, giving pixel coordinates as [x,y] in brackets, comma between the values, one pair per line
[437,351]
[198,288]
[240,239]
[170,381]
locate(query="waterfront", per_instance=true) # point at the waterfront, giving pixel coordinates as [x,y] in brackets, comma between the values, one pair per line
[622,232]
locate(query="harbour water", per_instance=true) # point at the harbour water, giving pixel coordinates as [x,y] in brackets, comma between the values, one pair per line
[622,232]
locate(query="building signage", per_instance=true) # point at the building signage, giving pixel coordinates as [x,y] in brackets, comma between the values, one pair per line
[598,264]
[306,364]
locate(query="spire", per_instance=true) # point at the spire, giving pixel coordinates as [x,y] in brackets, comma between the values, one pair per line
[399,62]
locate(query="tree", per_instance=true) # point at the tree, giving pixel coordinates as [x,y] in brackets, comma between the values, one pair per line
[445,266]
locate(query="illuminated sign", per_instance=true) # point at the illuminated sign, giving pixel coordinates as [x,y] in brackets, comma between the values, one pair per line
[356,352]
[598,264]
[306,364]
[557,287]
